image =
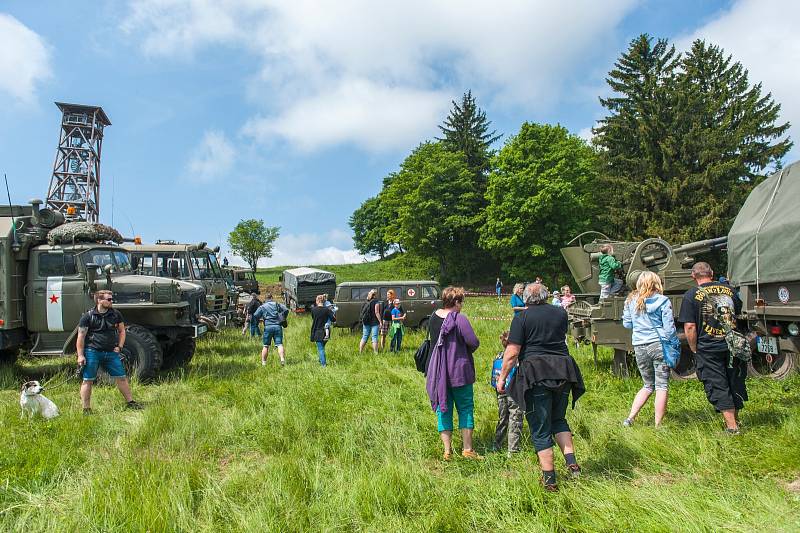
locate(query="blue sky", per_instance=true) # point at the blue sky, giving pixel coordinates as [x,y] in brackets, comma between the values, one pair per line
[294,111]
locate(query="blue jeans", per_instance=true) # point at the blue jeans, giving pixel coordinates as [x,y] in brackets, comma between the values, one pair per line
[321,352]
[110,361]
[255,329]
[463,398]
[368,331]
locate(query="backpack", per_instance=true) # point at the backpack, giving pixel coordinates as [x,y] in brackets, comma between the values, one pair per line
[283,316]
[366,312]
[497,366]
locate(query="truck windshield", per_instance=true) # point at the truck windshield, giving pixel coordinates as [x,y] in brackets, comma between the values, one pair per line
[203,266]
[215,265]
[119,260]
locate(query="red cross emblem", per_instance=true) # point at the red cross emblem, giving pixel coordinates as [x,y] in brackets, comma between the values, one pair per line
[54,299]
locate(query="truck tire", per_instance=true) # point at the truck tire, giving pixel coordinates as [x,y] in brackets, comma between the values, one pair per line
[778,367]
[686,368]
[179,353]
[143,355]
[423,324]
[9,356]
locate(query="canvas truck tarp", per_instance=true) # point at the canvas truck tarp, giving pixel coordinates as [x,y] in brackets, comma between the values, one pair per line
[296,277]
[779,236]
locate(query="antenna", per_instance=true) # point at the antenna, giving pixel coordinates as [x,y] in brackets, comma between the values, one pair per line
[11,210]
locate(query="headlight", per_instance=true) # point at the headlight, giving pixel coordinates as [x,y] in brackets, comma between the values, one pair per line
[793,329]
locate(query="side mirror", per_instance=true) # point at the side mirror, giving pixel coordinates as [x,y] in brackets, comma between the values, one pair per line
[107,269]
[91,275]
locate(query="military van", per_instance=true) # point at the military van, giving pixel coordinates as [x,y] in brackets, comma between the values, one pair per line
[194,263]
[418,298]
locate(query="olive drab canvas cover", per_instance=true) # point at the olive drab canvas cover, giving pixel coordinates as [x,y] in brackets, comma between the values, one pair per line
[296,277]
[775,201]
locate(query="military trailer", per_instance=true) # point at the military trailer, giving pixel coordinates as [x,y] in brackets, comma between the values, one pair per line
[49,271]
[194,263]
[418,298]
[243,279]
[599,322]
[302,285]
[764,264]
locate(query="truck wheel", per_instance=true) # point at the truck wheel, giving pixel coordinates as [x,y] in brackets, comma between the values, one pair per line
[779,366]
[143,355]
[9,356]
[180,353]
[423,324]
[686,368]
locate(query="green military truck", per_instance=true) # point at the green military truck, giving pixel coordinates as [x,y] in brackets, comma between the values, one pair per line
[302,285]
[418,298]
[243,279]
[194,263]
[49,271]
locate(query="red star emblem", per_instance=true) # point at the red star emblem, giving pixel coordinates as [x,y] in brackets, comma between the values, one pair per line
[54,299]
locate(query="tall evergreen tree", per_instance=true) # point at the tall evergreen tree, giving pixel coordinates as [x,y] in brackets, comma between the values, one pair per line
[636,136]
[466,130]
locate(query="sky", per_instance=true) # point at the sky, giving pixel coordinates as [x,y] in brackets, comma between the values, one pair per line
[293,112]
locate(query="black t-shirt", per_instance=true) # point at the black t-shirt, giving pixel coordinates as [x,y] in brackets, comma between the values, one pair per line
[705,306]
[102,334]
[373,320]
[252,305]
[319,317]
[434,327]
[540,330]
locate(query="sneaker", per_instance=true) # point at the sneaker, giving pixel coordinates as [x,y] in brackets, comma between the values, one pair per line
[133,405]
[471,454]
[627,423]
[732,431]
[283,363]
[550,487]
[263,363]
[574,470]
[87,411]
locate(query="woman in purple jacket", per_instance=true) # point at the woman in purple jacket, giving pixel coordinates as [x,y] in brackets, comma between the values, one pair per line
[451,371]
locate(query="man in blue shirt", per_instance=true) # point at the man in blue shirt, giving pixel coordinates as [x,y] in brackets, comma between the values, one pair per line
[270,312]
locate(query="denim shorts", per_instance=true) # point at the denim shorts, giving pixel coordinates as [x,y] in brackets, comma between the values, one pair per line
[110,361]
[650,360]
[367,331]
[273,332]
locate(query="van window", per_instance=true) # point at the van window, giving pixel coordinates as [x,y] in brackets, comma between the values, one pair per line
[429,291]
[399,293]
[60,264]
[359,293]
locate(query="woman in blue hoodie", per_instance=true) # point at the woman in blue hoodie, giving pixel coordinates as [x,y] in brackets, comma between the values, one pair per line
[645,310]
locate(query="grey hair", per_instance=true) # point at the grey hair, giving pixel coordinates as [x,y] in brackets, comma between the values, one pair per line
[535,293]
[518,286]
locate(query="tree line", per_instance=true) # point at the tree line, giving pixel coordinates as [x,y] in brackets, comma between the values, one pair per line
[684,140]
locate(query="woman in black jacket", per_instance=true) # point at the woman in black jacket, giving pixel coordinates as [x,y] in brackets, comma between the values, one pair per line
[319,317]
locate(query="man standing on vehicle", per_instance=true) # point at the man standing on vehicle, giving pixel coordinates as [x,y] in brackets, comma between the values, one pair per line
[270,312]
[723,376]
[101,336]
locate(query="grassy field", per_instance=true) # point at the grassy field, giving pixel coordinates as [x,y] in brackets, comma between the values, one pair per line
[228,445]
[402,266]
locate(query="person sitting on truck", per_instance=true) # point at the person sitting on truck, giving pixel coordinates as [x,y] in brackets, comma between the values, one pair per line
[648,299]
[270,312]
[250,310]
[723,377]
[370,320]
[101,337]
[609,282]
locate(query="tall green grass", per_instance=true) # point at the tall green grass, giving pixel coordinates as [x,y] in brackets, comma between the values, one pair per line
[397,267]
[229,445]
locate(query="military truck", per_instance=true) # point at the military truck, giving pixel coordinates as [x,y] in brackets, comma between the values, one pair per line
[764,263]
[194,263]
[49,271]
[302,285]
[243,279]
[599,322]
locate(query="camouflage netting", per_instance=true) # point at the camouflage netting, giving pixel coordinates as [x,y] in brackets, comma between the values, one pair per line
[72,232]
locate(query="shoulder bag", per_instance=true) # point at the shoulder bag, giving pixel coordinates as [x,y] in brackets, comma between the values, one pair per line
[671,346]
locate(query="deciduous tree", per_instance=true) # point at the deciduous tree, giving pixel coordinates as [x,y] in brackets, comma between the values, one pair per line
[252,240]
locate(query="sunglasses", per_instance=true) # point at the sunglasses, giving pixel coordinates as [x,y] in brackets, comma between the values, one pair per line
[108,299]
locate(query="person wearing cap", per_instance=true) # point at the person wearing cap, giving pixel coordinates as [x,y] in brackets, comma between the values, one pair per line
[556,299]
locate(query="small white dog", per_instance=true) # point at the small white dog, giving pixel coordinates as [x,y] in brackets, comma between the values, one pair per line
[32,402]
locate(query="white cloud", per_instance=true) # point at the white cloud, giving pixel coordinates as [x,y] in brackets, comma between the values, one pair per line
[331,248]
[376,74]
[212,158]
[25,60]
[762,35]
[586,134]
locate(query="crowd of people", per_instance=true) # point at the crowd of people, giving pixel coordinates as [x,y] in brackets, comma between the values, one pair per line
[535,376]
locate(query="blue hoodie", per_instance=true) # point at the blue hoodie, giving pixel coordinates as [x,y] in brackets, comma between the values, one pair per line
[643,331]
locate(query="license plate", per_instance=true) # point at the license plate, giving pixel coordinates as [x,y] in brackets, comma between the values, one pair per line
[200,330]
[767,345]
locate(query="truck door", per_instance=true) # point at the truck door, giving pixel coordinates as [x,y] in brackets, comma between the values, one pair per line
[57,293]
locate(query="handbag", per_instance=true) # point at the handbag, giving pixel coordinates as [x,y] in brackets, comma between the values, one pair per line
[671,346]
[423,355]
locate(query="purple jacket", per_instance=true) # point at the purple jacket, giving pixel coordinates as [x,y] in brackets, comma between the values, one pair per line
[451,363]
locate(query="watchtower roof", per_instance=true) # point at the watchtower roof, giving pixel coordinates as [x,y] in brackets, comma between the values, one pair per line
[80,108]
